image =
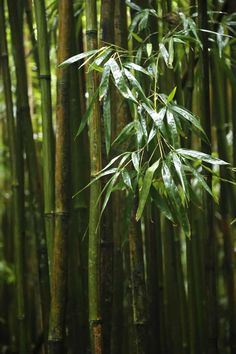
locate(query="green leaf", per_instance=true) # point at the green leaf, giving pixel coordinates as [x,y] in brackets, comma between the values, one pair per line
[136,85]
[96,178]
[102,56]
[149,49]
[171,53]
[124,154]
[135,160]
[109,188]
[126,132]
[156,117]
[184,113]
[127,179]
[201,156]
[120,81]
[181,173]
[175,199]
[200,179]
[172,127]
[104,84]
[171,95]
[161,203]
[136,37]
[164,54]
[147,182]
[80,56]
[136,67]
[87,113]
[107,121]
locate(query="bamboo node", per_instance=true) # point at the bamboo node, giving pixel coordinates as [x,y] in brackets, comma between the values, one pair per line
[45,76]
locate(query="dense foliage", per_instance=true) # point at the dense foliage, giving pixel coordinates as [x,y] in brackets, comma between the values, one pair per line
[118,141]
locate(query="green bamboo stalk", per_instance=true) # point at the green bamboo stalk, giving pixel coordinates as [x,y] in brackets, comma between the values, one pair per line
[34,180]
[29,18]
[226,196]
[121,118]
[232,9]
[62,184]
[94,265]
[18,206]
[209,227]
[107,36]
[77,312]
[46,112]
[139,296]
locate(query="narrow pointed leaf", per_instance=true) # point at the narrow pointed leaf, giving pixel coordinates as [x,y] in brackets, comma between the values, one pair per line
[87,114]
[147,182]
[107,121]
[78,57]
[201,156]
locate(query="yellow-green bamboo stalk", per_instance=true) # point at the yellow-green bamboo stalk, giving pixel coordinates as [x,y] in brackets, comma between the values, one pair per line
[34,180]
[46,112]
[94,251]
[62,184]
[209,225]
[18,202]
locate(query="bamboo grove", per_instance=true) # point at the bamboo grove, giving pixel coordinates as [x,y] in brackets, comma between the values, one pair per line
[118,147]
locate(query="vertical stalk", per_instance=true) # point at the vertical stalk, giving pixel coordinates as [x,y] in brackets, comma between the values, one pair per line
[226,196]
[94,265]
[27,131]
[77,310]
[62,186]
[139,297]
[210,239]
[46,112]
[18,202]
[107,36]
[121,116]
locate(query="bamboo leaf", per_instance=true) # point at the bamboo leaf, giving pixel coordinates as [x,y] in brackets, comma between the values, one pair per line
[173,128]
[156,117]
[181,173]
[120,81]
[136,85]
[126,132]
[164,53]
[104,84]
[136,37]
[127,179]
[147,182]
[161,203]
[80,56]
[175,199]
[184,113]
[200,180]
[201,156]
[171,95]
[135,160]
[107,121]
[149,49]
[87,113]
[136,67]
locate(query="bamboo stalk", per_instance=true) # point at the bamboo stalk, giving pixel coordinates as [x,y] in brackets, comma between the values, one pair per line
[94,265]
[62,184]
[46,113]
[77,312]
[107,36]
[210,238]
[121,118]
[139,296]
[226,196]
[18,202]
[34,180]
